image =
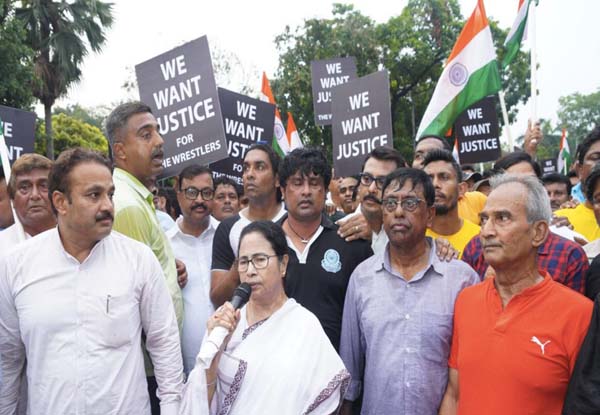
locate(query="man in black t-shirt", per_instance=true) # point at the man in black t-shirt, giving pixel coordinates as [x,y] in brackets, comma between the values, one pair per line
[261,186]
[321,262]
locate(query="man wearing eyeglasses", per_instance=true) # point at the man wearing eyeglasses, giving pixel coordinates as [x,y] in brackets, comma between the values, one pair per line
[397,321]
[137,153]
[366,222]
[192,238]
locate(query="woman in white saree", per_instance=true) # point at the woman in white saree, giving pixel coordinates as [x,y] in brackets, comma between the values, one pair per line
[278,359]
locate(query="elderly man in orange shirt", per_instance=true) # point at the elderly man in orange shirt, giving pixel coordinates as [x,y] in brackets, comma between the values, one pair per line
[516,336]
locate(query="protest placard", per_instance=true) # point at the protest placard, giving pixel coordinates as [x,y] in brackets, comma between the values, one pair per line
[179,86]
[476,130]
[362,121]
[325,75]
[18,127]
[548,166]
[246,121]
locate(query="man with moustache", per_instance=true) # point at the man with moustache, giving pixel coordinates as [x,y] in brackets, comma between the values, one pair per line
[28,190]
[74,301]
[192,239]
[136,144]
[261,186]
[226,202]
[446,175]
[366,222]
[320,260]
[397,322]
[516,336]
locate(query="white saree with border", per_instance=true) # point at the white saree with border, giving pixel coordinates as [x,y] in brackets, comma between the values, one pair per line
[282,365]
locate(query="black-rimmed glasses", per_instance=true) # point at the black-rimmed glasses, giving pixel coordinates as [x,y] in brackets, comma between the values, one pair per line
[260,261]
[192,193]
[409,204]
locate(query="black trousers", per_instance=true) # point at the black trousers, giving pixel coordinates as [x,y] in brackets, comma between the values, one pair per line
[154,402]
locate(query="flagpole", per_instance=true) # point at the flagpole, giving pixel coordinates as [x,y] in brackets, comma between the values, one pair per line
[532,29]
[6,168]
[505,118]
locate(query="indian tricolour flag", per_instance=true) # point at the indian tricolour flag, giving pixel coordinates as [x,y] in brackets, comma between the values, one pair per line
[280,141]
[293,137]
[564,155]
[517,33]
[470,74]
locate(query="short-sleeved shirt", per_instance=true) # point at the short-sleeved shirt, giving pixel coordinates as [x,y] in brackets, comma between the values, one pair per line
[461,238]
[516,359]
[583,220]
[564,260]
[470,204]
[227,239]
[319,279]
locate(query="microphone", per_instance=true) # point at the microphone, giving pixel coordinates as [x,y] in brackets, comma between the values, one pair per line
[213,343]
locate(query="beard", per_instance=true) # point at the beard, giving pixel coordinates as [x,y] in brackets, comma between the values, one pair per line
[442,210]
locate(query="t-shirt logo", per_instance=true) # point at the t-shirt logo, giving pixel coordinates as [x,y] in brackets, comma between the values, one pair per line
[331,261]
[539,343]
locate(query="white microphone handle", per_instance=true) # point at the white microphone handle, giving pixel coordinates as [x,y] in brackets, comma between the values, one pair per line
[211,346]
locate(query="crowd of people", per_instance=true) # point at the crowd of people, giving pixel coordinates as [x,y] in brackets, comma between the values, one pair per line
[405,289]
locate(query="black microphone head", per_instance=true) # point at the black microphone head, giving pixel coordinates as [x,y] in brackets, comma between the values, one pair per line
[241,295]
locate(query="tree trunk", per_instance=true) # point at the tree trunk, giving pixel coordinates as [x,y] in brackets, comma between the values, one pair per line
[49,139]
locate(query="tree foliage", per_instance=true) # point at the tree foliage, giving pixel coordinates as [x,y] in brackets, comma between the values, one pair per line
[579,114]
[60,33]
[94,116]
[412,47]
[16,61]
[71,132]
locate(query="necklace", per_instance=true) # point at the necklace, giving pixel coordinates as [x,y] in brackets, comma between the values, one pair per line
[303,240]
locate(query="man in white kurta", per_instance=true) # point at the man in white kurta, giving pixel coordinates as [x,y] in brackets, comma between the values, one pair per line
[191,239]
[74,301]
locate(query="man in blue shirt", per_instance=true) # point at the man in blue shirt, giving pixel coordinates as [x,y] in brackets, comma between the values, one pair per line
[397,321]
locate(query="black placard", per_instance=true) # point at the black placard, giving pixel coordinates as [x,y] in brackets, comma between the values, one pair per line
[549,166]
[362,121]
[246,121]
[325,75]
[476,130]
[19,131]
[179,86]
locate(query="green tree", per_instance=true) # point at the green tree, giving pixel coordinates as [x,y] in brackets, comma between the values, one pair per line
[94,116]
[16,61]
[60,33]
[412,47]
[579,114]
[70,132]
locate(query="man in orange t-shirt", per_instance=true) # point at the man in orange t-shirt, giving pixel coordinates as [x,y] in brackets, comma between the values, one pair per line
[516,336]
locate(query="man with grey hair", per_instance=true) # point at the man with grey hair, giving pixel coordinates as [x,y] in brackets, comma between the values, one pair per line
[516,336]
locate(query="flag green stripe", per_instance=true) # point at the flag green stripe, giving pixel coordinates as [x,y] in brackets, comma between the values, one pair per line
[514,44]
[276,147]
[483,82]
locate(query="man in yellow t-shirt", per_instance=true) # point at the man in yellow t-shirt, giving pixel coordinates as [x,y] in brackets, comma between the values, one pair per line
[582,217]
[446,176]
[470,204]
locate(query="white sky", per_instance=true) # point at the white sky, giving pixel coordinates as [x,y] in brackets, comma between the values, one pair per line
[568,44]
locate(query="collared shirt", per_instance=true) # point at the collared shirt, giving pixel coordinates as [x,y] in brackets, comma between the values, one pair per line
[318,277]
[396,333]
[79,326]
[564,260]
[11,237]
[196,253]
[135,217]
[516,358]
